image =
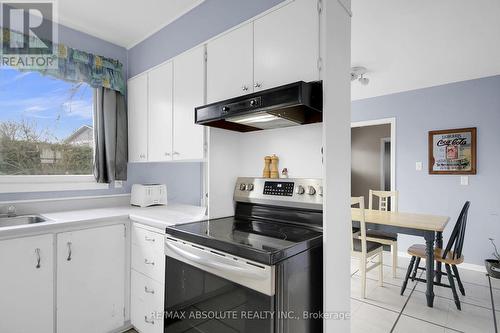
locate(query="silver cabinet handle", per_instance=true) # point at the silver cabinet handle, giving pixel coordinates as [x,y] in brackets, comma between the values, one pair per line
[148,291]
[149,321]
[147,239]
[258,85]
[69,251]
[38,259]
[176,153]
[167,154]
[147,262]
[245,88]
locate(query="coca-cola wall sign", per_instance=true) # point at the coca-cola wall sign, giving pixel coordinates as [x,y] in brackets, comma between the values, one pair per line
[453,151]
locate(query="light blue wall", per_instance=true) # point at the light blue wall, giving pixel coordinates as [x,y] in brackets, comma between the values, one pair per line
[207,20]
[88,43]
[184,180]
[474,103]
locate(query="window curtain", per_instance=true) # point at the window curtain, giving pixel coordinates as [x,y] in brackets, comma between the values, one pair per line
[110,136]
[79,66]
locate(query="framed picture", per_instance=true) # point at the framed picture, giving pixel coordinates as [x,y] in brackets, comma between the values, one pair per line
[452,152]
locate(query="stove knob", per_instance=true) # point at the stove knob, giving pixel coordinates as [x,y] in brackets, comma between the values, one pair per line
[320,190]
[250,187]
[311,190]
[300,189]
[243,187]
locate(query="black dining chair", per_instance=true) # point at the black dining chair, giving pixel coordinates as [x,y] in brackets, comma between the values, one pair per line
[451,256]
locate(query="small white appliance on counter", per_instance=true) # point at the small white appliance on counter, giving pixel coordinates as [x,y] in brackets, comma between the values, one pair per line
[145,195]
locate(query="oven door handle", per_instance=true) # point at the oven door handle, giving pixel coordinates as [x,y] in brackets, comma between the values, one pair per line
[219,262]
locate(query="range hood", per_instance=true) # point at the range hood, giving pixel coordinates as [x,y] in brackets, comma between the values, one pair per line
[289,105]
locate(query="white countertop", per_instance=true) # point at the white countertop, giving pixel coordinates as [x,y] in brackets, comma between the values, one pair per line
[157,217]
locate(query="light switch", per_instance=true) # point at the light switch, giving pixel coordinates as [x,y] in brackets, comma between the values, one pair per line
[464,180]
[418,166]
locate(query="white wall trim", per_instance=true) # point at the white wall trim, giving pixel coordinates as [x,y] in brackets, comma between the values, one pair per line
[32,183]
[383,121]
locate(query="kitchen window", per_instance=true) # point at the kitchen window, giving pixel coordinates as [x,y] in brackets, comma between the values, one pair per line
[46,133]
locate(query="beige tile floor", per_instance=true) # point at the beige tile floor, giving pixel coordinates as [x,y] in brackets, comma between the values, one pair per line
[385,311]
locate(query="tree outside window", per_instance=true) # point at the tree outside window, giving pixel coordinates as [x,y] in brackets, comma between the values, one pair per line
[45,125]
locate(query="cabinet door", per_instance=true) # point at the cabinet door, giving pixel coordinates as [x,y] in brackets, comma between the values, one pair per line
[26,288]
[230,65]
[146,303]
[91,280]
[138,118]
[287,45]
[189,92]
[160,113]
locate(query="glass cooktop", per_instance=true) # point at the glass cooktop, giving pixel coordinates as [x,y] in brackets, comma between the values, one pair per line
[259,240]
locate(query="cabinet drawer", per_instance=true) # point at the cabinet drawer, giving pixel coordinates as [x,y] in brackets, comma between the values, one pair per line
[149,239]
[147,290]
[149,261]
[146,309]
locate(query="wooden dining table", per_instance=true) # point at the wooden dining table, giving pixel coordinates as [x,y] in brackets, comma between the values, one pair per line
[430,227]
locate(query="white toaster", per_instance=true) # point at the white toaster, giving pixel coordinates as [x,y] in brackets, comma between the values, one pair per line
[144,195]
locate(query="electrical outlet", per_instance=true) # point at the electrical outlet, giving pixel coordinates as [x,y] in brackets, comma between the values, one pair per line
[418,166]
[118,184]
[464,180]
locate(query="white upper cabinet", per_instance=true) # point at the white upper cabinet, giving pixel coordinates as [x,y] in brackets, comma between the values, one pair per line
[91,280]
[287,45]
[27,285]
[189,92]
[160,113]
[230,64]
[138,118]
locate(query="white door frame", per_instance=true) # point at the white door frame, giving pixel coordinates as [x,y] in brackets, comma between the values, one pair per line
[383,121]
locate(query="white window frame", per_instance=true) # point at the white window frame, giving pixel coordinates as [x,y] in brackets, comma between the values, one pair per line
[49,183]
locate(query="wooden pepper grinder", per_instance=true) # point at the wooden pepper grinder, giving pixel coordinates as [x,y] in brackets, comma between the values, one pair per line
[266,173]
[274,167]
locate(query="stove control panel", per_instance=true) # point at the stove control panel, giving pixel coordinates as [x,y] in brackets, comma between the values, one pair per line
[279,188]
[291,192]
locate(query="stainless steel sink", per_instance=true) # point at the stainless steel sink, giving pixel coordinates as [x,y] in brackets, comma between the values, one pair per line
[21,220]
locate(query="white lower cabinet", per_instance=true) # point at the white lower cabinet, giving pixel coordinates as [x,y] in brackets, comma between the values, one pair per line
[90,280]
[147,280]
[146,305]
[27,285]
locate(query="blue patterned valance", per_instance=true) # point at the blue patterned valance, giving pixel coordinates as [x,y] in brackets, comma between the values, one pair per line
[79,66]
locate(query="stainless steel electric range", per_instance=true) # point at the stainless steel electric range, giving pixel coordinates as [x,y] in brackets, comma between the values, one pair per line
[259,271]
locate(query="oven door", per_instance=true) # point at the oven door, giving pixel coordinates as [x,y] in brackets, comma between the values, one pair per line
[211,292]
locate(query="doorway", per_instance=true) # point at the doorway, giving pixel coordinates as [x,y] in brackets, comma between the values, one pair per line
[373,156]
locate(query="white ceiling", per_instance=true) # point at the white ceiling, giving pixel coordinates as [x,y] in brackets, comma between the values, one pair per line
[122,22]
[408,44]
